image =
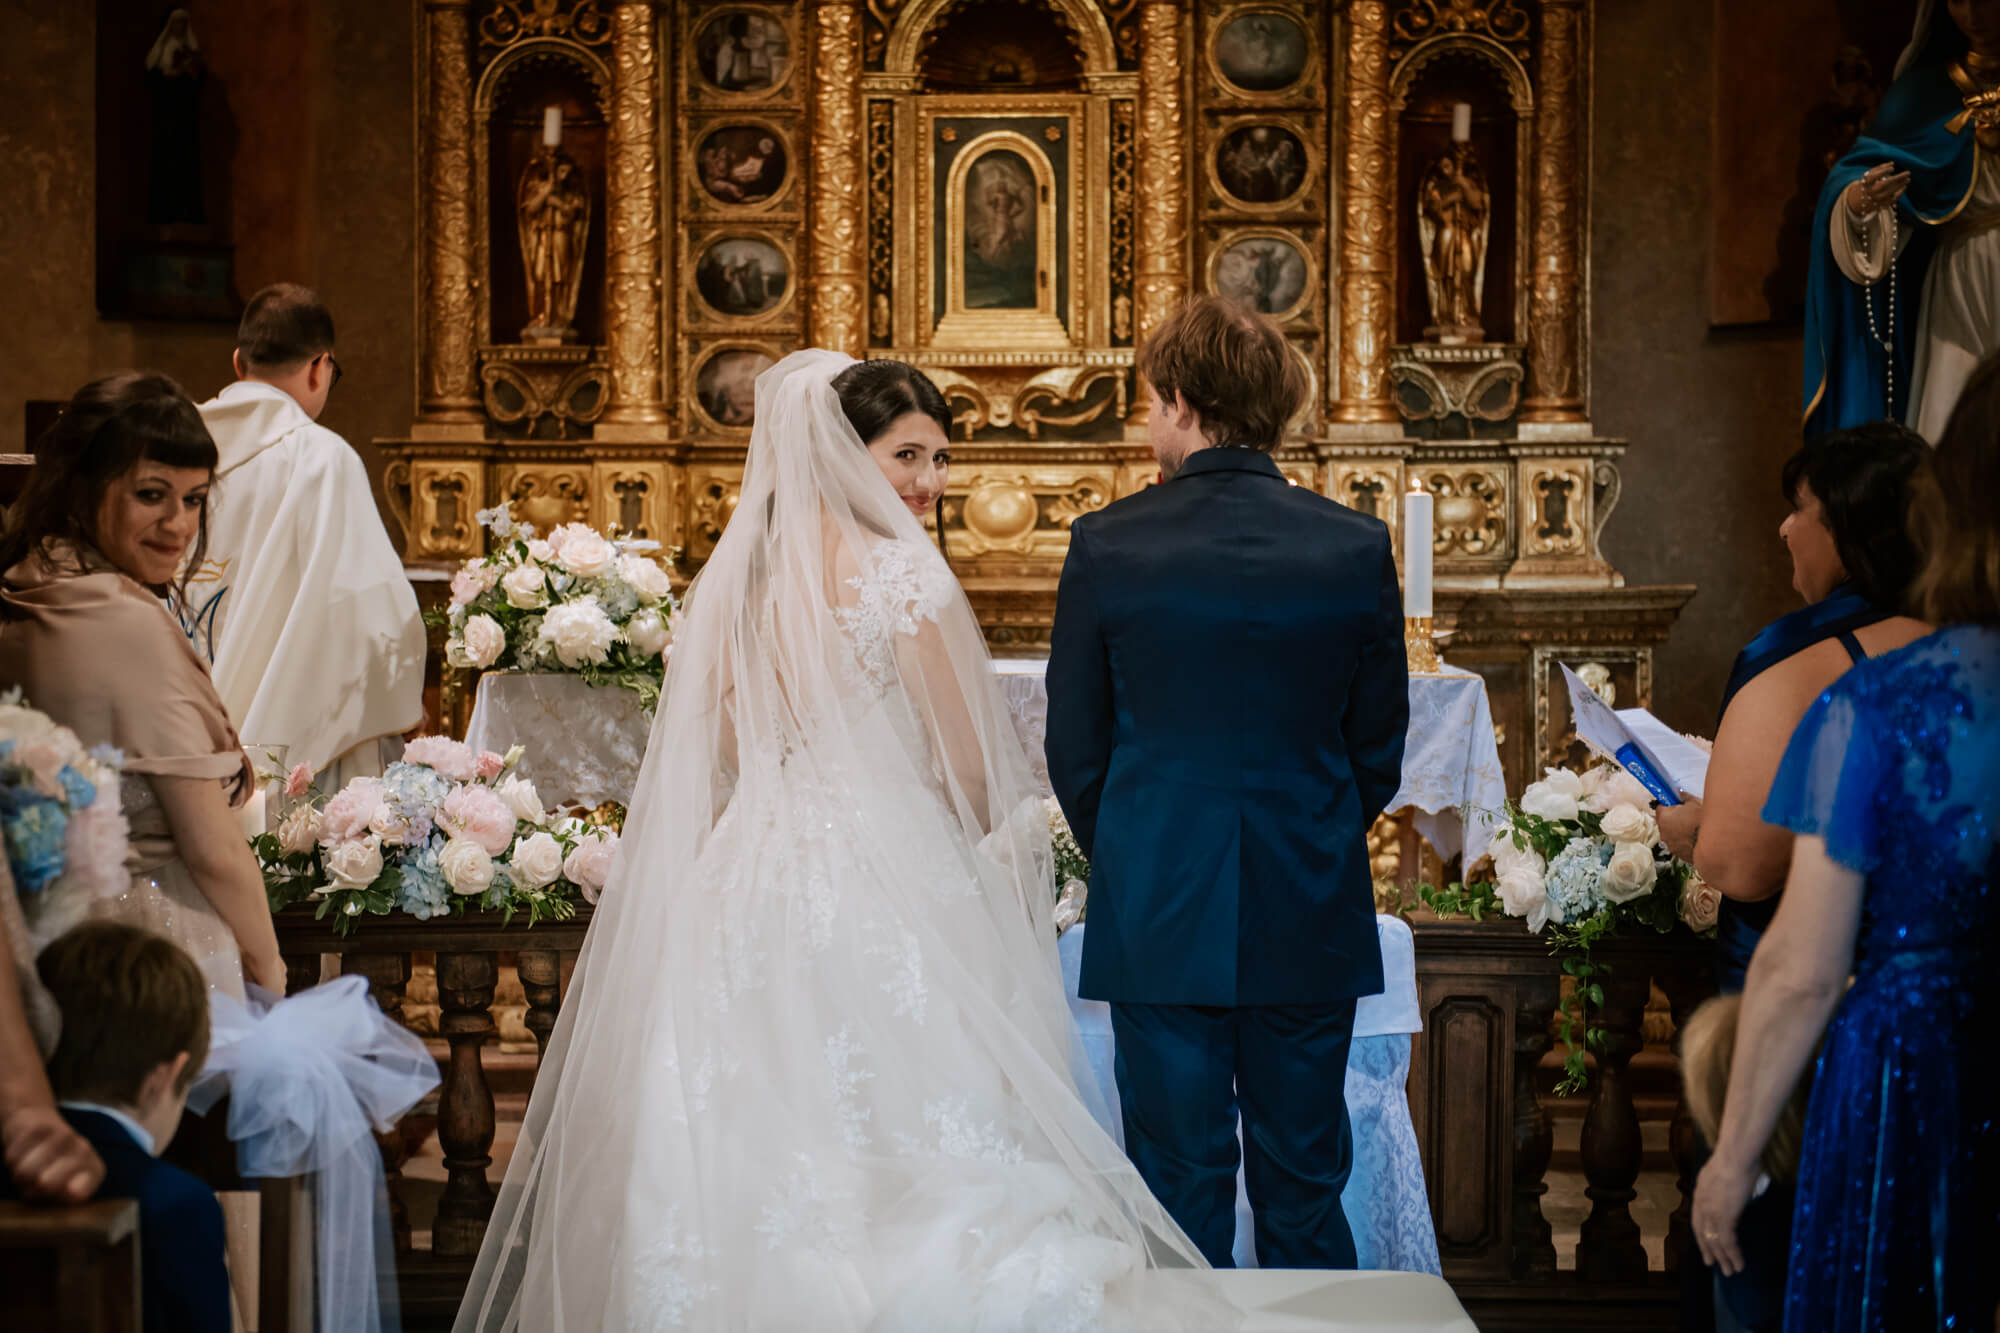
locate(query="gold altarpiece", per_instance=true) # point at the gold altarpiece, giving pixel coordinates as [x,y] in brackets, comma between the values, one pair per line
[1012,194]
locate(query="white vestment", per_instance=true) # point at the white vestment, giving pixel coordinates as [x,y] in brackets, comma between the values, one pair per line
[303,607]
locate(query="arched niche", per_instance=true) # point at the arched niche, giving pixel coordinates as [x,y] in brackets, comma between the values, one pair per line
[904,54]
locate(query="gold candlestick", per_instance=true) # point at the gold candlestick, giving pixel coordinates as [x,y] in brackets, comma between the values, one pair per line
[1420,651]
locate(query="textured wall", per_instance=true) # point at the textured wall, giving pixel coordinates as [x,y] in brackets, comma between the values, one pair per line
[1710,416]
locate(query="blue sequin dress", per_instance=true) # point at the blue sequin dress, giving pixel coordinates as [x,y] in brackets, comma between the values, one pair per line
[1897,767]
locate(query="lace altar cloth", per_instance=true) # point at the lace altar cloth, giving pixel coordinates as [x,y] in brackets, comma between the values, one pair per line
[1386,1203]
[583,743]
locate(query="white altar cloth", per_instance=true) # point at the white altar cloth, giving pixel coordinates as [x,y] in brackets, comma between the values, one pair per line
[583,743]
[1303,1300]
[1387,1205]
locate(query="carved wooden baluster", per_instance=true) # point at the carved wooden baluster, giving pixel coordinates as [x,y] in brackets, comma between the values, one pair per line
[1686,988]
[465,1106]
[541,979]
[387,974]
[1534,1131]
[1609,1248]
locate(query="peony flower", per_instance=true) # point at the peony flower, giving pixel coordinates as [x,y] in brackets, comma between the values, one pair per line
[483,641]
[1506,856]
[466,866]
[489,765]
[582,552]
[646,577]
[346,816]
[1524,893]
[94,845]
[1701,902]
[299,830]
[578,632]
[299,781]
[1630,873]
[451,758]
[589,865]
[474,580]
[1617,787]
[649,633]
[541,552]
[526,587]
[355,862]
[1556,796]
[1630,823]
[536,862]
[520,796]
[476,814]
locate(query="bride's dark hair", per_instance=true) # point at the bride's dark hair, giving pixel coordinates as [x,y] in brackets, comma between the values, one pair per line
[874,394]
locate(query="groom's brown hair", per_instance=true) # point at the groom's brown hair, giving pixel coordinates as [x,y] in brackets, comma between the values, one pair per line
[1232,366]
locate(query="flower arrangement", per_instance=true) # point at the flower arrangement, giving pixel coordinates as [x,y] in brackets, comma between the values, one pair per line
[60,818]
[574,601]
[1072,868]
[444,829]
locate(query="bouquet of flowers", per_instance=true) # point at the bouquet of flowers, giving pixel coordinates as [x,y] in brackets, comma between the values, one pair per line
[575,601]
[1582,858]
[442,830]
[60,819]
[1072,868]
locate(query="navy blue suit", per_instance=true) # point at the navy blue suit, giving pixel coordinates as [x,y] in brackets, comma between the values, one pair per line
[183,1278]
[1228,702]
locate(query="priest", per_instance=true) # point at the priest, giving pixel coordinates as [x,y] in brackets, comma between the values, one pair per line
[303,608]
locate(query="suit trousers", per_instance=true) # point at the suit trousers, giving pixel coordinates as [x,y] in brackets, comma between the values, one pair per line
[1184,1073]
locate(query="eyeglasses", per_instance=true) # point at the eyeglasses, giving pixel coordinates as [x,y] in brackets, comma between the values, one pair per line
[328,357]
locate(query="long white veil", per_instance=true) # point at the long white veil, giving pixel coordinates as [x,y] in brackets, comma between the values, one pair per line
[833,902]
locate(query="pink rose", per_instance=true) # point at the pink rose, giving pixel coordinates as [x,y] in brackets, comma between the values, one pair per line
[589,865]
[449,757]
[474,580]
[299,781]
[489,765]
[1700,902]
[475,813]
[349,813]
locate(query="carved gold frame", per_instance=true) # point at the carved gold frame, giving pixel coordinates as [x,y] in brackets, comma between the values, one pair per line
[783,200]
[1295,123]
[698,237]
[979,328]
[691,380]
[785,90]
[1308,295]
[1306,88]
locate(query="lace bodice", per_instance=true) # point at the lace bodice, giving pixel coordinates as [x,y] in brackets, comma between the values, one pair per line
[903,586]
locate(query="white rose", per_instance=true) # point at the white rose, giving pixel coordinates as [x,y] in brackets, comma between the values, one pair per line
[526,587]
[466,866]
[298,831]
[1506,856]
[1524,893]
[1630,874]
[1554,797]
[520,796]
[584,553]
[647,578]
[1619,788]
[1629,823]
[1701,902]
[354,864]
[578,632]
[483,641]
[648,632]
[536,862]
[540,551]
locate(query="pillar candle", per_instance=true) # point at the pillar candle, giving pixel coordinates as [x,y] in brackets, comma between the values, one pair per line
[552,126]
[1461,122]
[252,815]
[1417,539]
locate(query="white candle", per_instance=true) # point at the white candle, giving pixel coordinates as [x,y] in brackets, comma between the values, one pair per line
[1461,122]
[552,126]
[1417,540]
[253,814]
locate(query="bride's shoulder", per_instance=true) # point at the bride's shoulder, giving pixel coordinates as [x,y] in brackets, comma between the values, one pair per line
[898,572]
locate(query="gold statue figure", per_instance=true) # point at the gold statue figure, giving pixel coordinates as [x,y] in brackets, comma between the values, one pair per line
[1454,214]
[554,213]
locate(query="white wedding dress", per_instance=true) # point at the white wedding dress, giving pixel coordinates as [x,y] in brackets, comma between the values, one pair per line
[815,1070]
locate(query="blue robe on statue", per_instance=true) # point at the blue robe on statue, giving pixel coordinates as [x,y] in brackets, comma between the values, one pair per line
[1845,371]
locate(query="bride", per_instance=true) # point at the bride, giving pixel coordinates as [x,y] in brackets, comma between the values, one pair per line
[814,1071]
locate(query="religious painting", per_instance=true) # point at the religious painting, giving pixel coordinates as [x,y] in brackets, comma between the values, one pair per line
[1261,164]
[742,51]
[741,164]
[1261,52]
[999,257]
[726,385]
[1264,271]
[742,275]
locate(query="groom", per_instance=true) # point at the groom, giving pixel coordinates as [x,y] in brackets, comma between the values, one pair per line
[1227,705]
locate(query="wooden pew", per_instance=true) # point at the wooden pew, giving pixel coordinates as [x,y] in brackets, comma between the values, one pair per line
[72,1269]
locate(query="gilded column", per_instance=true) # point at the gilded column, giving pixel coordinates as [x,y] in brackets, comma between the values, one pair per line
[632,234]
[1161,187]
[1555,379]
[449,387]
[836,310]
[1368,222]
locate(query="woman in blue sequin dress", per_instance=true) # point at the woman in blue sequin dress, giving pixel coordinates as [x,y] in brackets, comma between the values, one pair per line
[1892,784]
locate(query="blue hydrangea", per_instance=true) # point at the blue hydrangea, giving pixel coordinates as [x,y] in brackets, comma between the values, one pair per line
[618,599]
[80,790]
[415,793]
[1576,878]
[424,893]
[6,748]
[108,755]
[32,826]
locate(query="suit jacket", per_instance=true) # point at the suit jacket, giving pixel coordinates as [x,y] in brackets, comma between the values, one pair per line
[1228,700]
[184,1282]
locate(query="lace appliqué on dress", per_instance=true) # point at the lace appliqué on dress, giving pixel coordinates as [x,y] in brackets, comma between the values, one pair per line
[902,586]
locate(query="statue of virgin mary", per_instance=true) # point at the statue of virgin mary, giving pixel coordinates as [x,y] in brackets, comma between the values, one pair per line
[1903,298]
